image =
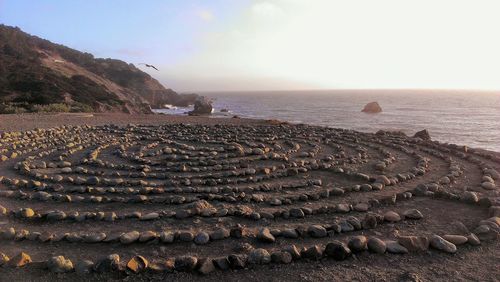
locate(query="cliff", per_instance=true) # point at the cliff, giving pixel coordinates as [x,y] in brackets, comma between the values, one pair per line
[37,72]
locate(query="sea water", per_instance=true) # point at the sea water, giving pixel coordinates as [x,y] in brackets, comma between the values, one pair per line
[469,118]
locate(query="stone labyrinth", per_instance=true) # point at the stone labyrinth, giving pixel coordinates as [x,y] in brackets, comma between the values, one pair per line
[215,198]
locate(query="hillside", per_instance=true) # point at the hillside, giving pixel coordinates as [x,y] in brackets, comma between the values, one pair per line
[38,74]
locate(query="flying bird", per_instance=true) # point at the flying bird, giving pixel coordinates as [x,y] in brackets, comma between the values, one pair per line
[148,65]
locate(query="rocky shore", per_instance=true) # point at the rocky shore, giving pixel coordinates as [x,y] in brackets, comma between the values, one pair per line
[150,197]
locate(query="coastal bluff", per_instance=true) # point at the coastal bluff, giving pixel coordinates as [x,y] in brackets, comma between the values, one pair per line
[38,75]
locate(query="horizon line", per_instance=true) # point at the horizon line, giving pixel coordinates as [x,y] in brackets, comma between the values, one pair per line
[348,89]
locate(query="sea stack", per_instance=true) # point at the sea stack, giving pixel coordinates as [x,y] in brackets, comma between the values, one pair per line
[202,106]
[372,108]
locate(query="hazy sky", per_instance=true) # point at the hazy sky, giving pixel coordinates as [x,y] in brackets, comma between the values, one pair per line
[281,44]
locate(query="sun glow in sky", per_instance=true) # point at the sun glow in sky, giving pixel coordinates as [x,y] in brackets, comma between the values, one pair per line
[282,44]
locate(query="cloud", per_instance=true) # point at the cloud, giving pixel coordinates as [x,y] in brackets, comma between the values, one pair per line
[204,14]
[266,9]
[353,44]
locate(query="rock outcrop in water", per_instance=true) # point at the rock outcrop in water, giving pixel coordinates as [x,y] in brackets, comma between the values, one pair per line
[202,106]
[423,134]
[372,108]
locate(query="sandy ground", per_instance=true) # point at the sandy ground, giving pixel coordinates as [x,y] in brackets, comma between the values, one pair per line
[31,121]
[470,263]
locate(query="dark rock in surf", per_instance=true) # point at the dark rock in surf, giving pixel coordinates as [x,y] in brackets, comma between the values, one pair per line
[202,106]
[372,108]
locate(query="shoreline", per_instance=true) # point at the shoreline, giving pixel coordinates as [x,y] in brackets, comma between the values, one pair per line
[29,121]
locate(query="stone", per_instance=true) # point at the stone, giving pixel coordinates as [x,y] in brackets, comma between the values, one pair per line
[84,267]
[337,192]
[414,243]
[375,245]
[94,237]
[354,221]
[343,208]
[423,134]
[470,197]
[185,263]
[3,259]
[369,221]
[3,210]
[238,232]
[358,244]
[265,235]
[56,215]
[27,213]
[167,237]
[45,237]
[293,251]
[366,187]
[394,247]
[372,108]
[361,207]
[243,247]
[317,231]
[259,256]
[346,226]
[150,216]
[147,236]
[206,266]
[488,185]
[455,239]
[19,260]
[202,238]
[186,236]
[473,240]
[298,213]
[290,233]
[281,257]
[137,264]
[221,263]
[130,237]
[163,266]
[486,233]
[8,234]
[237,261]
[108,264]
[391,216]
[314,253]
[219,234]
[413,214]
[59,264]
[337,250]
[439,243]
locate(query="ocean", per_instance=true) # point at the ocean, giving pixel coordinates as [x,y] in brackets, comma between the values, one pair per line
[469,118]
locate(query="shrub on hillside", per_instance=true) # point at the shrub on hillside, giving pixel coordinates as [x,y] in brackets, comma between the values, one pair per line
[51,108]
[11,109]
